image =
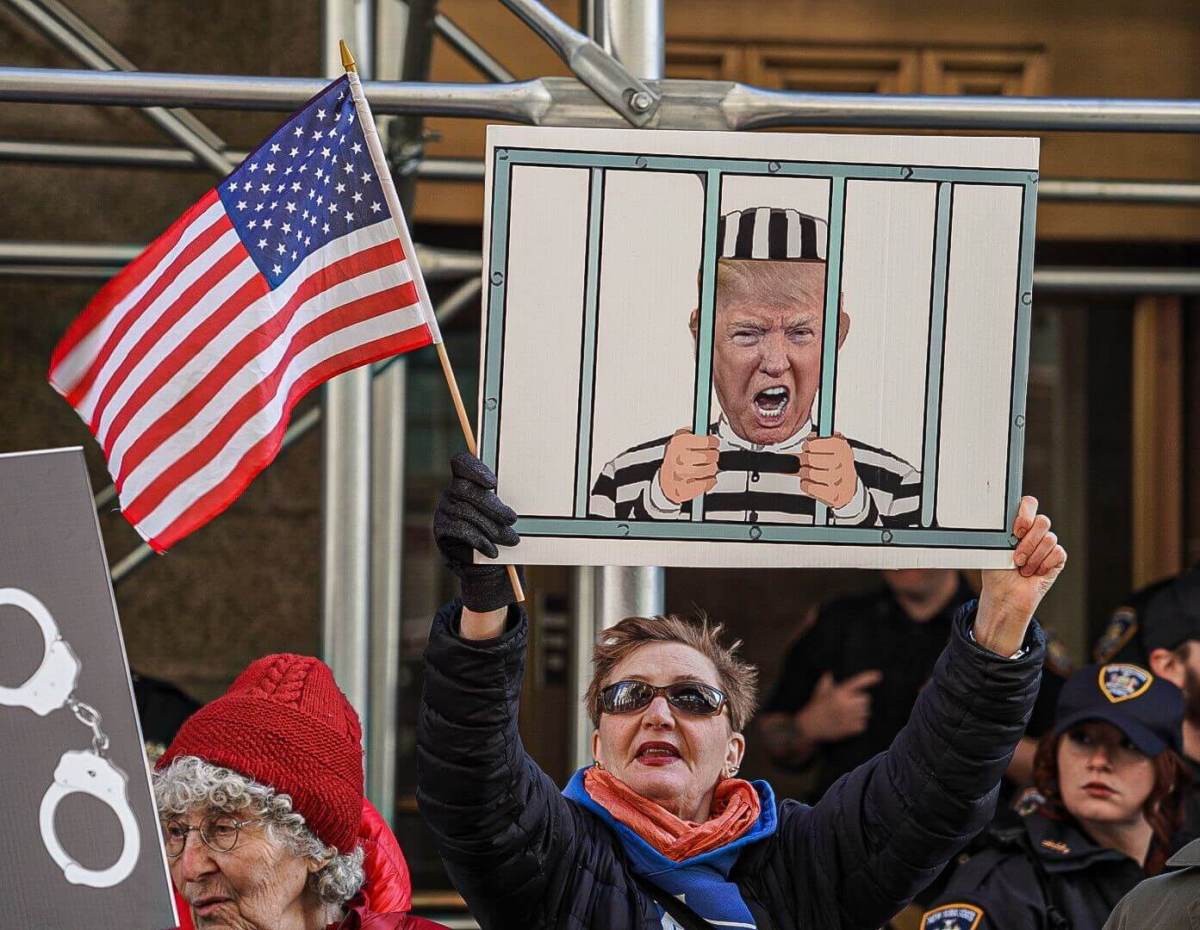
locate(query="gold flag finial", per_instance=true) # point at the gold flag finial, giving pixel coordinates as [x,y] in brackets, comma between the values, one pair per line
[347,58]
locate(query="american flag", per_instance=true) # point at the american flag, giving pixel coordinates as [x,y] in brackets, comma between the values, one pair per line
[295,268]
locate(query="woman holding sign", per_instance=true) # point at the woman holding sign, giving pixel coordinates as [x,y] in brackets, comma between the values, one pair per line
[660,831]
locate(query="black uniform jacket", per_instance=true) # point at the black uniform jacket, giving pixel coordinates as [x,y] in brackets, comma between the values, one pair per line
[525,857]
[1031,869]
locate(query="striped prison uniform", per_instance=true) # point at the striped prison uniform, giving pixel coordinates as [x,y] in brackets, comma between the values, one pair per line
[629,487]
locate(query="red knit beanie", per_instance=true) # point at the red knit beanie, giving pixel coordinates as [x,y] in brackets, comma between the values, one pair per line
[285,723]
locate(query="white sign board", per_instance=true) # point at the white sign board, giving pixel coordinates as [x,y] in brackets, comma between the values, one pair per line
[79,833]
[728,349]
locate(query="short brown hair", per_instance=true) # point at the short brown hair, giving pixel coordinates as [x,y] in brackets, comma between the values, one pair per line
[738,679]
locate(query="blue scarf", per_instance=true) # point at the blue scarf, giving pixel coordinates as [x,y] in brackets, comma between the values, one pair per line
[702,882]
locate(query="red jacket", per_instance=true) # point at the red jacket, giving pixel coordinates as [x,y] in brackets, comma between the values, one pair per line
[386,897]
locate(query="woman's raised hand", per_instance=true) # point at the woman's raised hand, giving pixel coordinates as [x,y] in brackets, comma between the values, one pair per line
[470,518]
[1011,595]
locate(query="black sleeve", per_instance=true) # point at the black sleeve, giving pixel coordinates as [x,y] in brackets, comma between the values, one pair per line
[1042,720]
[886,829]
[507,835]
[808,658]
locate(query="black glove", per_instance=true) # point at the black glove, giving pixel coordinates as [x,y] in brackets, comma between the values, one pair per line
[471,517]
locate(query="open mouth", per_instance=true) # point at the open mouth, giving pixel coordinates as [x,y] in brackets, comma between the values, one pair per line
[657,753]
[770,403]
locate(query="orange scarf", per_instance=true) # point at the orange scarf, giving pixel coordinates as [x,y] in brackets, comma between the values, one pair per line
[735,809]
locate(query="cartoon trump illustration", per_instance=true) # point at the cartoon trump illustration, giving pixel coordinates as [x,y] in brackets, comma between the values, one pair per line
[763,461]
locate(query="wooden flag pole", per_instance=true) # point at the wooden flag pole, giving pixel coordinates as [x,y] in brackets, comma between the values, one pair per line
[451,382]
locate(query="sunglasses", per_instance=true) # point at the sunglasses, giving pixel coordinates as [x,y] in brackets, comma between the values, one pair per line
[690,697]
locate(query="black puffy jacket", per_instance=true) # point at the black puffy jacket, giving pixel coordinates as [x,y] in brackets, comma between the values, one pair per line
[523,856]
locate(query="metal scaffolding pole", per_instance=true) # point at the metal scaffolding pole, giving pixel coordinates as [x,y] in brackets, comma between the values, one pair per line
[604,595]
[346,475]
[472,51]
[158,156]
[70,33]
[96,260]
[407,57]
[684,104]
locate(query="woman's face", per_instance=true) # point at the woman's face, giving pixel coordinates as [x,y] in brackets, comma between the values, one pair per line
[257,885]
[1102,776]
[662,753]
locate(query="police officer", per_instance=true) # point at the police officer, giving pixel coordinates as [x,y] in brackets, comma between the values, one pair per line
[1111,778]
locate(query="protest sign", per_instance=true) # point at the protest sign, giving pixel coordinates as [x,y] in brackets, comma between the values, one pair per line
[79,832]
[733,349]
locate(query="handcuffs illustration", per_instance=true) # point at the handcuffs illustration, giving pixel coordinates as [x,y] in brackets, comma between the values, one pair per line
[48,689]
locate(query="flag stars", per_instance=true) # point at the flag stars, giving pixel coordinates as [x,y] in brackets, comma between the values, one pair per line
[293,256]
[295,186]
[287,227]
[275,269]
[320,172]
[356,148]
[333,207]
[375,207]
[298,131]
[270,169]
[262,243]
[341,188]
[291,208]
[320,114]
[253,166]
[294,152]
[307,241]
[366,176]
[325,227]
[274,148]
[267,224]
[252,224]
[241,205]
[349,216]
[258,208]
[265,188]
[348,168]
[358,196]
[317,135]
[281,248]
[325,152]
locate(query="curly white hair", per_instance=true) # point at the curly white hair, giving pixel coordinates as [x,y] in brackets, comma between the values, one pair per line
[189,783]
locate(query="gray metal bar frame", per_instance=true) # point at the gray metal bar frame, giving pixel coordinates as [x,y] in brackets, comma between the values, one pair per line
[684,104]
[1079,190]
[474,53]
[605,594]
[70,33]
[346,468]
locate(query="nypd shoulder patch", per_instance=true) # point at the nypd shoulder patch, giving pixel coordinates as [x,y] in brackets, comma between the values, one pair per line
[952,917]
[1121,682]
[1122,627]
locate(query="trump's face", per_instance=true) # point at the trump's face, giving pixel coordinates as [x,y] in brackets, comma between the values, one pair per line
[767,345]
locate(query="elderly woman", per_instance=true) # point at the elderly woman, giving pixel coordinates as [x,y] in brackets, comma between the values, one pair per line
[1110,782]
[660,832]
[263,815]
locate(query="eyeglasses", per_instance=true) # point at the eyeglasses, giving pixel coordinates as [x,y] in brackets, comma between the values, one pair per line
[219,832]
[691,697]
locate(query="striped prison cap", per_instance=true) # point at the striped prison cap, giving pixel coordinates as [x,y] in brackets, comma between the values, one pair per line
[774,234]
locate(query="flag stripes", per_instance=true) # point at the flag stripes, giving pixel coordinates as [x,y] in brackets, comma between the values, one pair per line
[186,366]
